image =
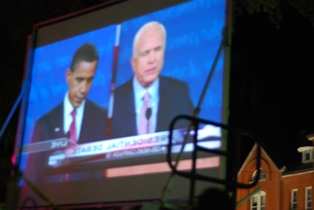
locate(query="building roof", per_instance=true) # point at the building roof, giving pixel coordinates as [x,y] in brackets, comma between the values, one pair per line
[298,168]
[280,162]
[276,156]
[263,151]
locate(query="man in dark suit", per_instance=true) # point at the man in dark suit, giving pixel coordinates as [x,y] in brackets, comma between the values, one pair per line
[148,102]
[90,118]
[76,117]
[93,125]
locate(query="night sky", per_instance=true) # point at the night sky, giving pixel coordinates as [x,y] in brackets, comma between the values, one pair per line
[271,90]
[271,83]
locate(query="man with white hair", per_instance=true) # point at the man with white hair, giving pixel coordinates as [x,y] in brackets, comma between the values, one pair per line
[148,102]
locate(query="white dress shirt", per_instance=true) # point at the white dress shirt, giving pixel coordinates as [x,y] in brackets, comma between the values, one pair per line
[67,117]
[139,93]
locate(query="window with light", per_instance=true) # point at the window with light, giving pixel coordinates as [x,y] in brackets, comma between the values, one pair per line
[294,199]
[258,201]
[307,156]
[308,198]
[262,175]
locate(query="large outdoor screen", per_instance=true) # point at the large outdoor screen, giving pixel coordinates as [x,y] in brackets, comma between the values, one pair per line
[104,87]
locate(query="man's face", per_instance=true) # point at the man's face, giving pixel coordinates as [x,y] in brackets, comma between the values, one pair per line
[79,81]
[149,55]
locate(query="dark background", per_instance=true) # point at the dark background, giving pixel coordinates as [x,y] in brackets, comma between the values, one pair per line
[271,75]
[271,85]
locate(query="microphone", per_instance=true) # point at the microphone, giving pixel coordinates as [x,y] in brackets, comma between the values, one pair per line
[148,113]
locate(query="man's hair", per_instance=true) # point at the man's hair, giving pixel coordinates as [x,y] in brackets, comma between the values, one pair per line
[87,52]
[144,27]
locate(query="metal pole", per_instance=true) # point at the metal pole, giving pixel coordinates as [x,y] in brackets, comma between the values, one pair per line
[196,112]
[18,100]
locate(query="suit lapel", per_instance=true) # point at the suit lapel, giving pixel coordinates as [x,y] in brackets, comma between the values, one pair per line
[161,107]
[85,126]
[130,111]
[57,123]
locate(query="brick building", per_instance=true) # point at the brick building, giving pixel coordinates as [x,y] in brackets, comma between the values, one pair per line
[278,188]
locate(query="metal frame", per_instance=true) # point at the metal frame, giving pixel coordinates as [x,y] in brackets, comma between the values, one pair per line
[193,175]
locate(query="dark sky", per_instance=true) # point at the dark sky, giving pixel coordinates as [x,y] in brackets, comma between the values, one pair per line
[271,89]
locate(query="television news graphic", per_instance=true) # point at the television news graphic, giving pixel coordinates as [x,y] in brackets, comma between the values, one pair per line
[101,170]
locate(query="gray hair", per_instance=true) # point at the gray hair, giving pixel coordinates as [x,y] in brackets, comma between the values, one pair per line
[144,27]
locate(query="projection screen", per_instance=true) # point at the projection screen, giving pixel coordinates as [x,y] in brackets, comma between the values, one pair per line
[89,135]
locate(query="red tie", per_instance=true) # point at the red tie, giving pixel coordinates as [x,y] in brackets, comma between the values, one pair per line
[145,125]
[73,127]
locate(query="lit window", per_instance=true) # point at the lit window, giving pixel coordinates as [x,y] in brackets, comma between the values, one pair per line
[294,199]
[258,201]
[307,156]
[262,175]
[308,198]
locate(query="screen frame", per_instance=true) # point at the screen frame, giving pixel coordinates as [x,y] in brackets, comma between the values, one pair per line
[35,42]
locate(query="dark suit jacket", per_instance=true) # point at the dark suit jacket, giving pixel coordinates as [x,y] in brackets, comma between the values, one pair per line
[50,126]
[174,100]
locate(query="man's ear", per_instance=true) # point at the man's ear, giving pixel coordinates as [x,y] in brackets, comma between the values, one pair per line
[68,75]
[133,63]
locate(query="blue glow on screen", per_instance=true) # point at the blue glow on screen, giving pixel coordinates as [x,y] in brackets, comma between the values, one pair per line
[51,62]
[49,72]
[194,33]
